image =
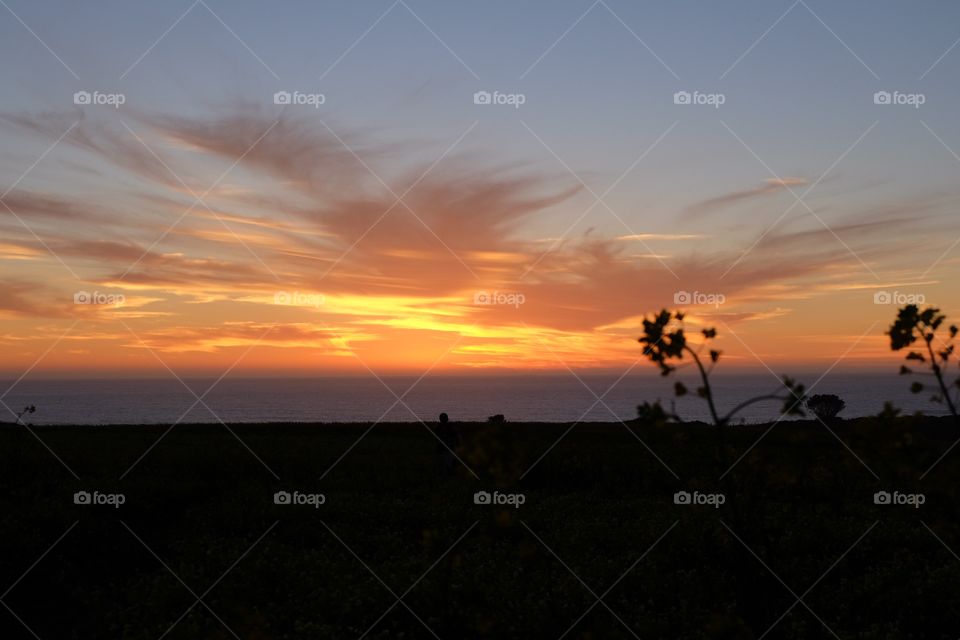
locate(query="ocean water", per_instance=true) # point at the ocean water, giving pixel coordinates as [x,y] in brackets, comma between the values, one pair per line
[546,398]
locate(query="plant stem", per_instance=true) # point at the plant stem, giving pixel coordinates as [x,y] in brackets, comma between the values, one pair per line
[747,403]
[708,392]
[939,374]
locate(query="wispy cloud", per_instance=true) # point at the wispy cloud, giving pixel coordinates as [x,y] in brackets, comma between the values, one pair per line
[390,275]
[769,187]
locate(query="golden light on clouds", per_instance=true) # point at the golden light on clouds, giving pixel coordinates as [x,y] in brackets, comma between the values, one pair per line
[304,262]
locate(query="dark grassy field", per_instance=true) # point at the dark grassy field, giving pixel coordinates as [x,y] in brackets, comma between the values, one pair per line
[597,550]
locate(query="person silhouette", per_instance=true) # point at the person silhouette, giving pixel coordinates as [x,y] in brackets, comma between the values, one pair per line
[449,440]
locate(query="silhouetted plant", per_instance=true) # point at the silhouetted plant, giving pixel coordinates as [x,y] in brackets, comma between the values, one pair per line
[826,406]
[654,415]
[912,325]
[497,419]
[664,341]
[27,409]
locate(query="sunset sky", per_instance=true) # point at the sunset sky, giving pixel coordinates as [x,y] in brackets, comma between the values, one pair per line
[372,231]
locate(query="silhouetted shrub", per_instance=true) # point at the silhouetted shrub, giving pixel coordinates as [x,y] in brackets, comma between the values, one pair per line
[825,406]
[664,340]
[654,415]
[497,419]
[912,325]
[27,409]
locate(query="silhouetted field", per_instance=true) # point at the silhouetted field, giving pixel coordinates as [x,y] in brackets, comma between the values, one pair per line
[798,507]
